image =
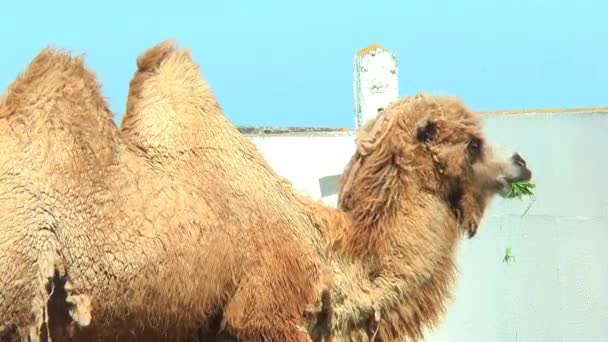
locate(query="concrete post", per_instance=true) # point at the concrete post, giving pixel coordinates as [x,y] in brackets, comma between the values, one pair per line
[375,82]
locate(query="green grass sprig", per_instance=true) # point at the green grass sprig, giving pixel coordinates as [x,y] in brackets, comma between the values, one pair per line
[521,189]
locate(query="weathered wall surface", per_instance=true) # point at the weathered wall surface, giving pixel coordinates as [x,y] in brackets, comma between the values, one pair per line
[557,287]
[375,82]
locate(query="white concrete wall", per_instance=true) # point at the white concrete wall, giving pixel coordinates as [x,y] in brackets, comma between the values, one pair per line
[375,83]
[557,288]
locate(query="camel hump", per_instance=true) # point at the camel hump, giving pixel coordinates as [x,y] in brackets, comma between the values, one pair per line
[55,80]
[152,58]
[56,99]
[170,106]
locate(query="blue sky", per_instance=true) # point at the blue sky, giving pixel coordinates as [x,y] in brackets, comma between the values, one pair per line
[290,62]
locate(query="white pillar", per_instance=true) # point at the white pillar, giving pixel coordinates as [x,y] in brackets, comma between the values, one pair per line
[376,82]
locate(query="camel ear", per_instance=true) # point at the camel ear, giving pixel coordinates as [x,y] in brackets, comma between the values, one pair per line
[427,131]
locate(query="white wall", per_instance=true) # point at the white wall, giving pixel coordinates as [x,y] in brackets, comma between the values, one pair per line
[309,162]
[557,288]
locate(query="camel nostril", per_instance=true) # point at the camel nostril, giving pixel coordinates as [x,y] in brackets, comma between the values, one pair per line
[521,172]
[517,159]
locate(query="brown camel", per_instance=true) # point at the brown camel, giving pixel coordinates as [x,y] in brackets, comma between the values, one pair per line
[174,227]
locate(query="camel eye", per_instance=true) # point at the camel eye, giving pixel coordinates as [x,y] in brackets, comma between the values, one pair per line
[427,132]
[474,148]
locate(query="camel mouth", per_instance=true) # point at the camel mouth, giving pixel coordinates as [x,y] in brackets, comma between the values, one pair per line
[505,184]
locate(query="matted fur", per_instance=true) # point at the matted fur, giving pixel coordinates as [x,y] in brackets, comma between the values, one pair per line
[175,227]
[156,230]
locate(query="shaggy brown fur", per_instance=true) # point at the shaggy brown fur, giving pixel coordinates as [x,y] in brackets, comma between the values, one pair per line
[157,231]
[176,226]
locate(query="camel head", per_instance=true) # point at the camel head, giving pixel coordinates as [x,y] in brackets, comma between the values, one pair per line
[423,146]
[469,169]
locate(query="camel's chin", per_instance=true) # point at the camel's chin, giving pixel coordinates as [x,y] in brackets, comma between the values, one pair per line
[504,188]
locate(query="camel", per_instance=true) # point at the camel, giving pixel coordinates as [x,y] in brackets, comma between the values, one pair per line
[174,227]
